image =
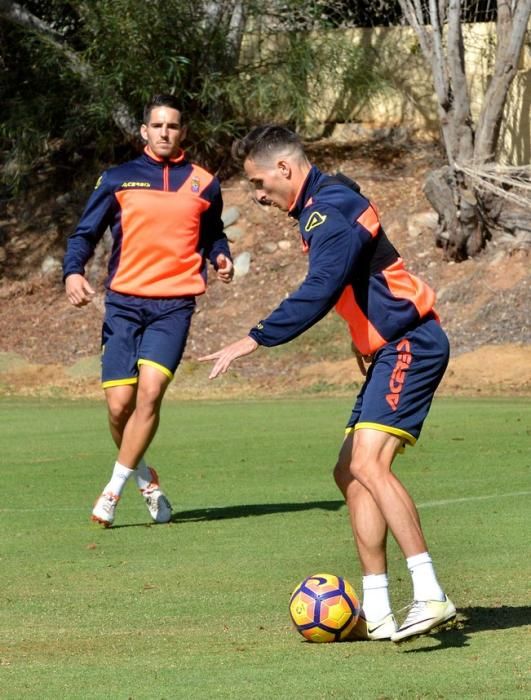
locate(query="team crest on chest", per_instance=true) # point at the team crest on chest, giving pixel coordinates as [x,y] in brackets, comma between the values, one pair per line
[315,220]
[195,184]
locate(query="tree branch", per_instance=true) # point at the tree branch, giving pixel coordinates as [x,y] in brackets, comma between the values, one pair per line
[511,33]
[461,101]
[17,14]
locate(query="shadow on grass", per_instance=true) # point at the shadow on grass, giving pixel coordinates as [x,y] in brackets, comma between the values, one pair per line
[241,511]
[476,619]
[246,511]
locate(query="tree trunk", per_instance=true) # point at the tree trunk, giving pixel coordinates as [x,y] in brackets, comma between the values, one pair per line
[465,212]
[510,31]
[461,233]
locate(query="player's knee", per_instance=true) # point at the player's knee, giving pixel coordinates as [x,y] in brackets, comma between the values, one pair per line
[366,468]
[119,412]
[149,398]
[119,408]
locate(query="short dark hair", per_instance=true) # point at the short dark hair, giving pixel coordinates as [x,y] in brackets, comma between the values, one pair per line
[264,140]
[162,100]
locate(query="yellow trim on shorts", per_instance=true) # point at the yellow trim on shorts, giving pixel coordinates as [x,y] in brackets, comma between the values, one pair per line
[385,429]
[119,382]
[156,365]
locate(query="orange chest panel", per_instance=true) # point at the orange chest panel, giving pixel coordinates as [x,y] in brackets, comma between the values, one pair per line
[160,236]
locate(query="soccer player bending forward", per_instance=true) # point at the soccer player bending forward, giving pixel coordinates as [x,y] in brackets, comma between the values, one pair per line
[165,218]
[354,267]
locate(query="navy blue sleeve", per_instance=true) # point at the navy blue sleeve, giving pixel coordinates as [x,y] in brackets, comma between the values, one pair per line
[94,221]
[212,240]
[334,248]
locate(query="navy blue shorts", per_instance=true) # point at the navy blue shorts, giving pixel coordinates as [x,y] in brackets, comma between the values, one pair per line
[401,382]
[140,330]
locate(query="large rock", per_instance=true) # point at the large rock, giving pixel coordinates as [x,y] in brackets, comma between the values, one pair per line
[50,265]
[418,224]
[233,233]
[242,264]
[230,216]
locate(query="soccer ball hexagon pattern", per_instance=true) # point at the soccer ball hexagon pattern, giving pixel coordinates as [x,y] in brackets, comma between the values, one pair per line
[324,608]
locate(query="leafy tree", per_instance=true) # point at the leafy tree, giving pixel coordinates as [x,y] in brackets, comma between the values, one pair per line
[76,74]
[93,66]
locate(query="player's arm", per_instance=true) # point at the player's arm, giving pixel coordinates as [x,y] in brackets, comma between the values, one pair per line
[334,248]
[213,240]
[332,256]
[81,244]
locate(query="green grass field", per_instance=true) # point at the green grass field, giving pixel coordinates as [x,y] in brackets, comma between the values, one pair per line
[198,608]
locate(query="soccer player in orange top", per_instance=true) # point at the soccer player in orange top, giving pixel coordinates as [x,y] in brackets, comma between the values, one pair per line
[165,218]
[354,267]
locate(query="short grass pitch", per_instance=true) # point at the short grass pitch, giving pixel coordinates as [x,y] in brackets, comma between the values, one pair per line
[199,608]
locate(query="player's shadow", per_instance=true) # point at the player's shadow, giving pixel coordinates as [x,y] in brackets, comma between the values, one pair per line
[241,511]
[472,620]
[251,510]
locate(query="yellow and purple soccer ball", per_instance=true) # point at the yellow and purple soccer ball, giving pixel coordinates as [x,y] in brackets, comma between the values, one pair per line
[324,608]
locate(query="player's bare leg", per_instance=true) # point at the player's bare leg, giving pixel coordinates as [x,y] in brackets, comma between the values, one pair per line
[372,454]
[134,415]
[142,424]
[376,621]
[121,402]
[368,524]
[120,406]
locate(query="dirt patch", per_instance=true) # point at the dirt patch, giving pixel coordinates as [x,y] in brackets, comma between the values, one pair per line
[490,370]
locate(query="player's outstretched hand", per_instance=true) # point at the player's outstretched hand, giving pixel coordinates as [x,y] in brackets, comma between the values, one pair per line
[224,357]
[78,290]
[225,271]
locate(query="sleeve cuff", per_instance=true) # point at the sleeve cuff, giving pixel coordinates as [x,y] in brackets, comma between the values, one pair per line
[255,335]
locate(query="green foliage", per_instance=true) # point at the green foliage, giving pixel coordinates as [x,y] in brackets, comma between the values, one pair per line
[199,608]
[61,86]
[37,95]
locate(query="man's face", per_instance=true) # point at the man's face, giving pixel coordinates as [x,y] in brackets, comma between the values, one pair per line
[164,132]
[271,182]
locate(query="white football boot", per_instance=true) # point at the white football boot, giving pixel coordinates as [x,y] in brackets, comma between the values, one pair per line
[423,616]
[156,501]
[104,509]
[374,630]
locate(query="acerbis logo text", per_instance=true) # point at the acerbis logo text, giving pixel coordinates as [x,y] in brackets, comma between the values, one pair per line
[398,376]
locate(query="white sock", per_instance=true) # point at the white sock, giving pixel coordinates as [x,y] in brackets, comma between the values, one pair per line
[142,475]
[425,584]
[376,597]
[120,475]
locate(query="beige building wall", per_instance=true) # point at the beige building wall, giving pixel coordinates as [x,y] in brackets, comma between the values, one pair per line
[407,100]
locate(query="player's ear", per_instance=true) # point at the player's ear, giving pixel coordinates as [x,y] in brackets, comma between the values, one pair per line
[143,132]
[284,168]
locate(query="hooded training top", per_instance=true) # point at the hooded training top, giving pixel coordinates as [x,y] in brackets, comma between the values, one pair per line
[352,266]
[165,220]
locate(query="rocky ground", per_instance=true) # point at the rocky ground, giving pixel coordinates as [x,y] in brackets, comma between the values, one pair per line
[50,348]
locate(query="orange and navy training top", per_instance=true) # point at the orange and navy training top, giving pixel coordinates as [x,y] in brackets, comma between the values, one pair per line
[165,220]
[352,266]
